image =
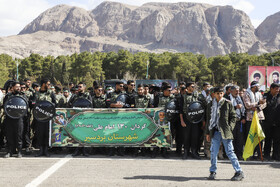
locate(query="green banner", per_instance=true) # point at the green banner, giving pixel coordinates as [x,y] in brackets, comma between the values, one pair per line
[110,127]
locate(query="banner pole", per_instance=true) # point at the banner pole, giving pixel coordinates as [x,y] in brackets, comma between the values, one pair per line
[50,133]
[260,149]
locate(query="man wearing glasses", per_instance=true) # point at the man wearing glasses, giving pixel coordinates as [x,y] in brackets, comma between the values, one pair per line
[81,94]
[99,99]
[190,131]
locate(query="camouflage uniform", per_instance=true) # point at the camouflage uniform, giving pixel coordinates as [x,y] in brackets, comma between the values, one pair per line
[161,100]
[99,102]
[141,101]
[26,121]
[61,100]
[111,97]
[81,95]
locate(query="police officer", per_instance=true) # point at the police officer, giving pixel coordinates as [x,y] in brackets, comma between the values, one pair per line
[26,120]
[14,127]
[44,94]
[84,95]
[98,99]
[190,131]
[112,103]
[160,101]
[176,123]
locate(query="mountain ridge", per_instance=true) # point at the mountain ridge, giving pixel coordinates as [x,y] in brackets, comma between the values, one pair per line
[152,27]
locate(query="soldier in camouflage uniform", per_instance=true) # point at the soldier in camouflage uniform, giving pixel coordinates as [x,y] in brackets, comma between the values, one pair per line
[160,101]
[44,94]
[112,96]
[99,99]
[83,95]
[29,88]
[131,89]
[140,100]
[111,102]
[66,94]
[14,127]
[60,99]
[190,131]
[80,94]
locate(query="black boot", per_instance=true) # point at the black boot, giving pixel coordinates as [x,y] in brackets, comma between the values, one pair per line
[28,151]
[19,155]
[41,152]
[165,153]
[111,151]
[46,151]
[76,152]
[155,152]
[120,151]
[84,150]
[8,155]
[185,155]
[179,149]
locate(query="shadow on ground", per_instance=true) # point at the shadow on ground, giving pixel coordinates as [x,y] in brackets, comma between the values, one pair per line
[168,178]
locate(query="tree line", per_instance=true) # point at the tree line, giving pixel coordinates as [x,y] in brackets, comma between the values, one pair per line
[87,67]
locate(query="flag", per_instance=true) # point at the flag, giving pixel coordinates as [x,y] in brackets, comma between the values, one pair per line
[254,137]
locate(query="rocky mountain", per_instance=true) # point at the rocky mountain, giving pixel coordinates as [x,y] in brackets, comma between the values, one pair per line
[152,27]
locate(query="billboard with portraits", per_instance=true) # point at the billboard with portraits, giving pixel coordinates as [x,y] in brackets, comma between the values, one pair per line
[257,73]
[273,74]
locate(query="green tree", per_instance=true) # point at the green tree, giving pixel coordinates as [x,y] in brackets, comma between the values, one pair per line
[222,69]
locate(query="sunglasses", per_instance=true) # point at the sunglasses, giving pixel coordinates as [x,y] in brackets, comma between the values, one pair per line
[23,87]
[79,86]
[121,86]
[132,85]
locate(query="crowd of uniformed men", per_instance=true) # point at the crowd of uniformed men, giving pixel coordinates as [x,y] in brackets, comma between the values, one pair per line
[27,133]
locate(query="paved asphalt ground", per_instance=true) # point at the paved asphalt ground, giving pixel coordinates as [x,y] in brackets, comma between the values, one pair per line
[98,170]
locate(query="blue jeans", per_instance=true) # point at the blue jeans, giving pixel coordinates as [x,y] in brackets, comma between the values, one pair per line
[215,146]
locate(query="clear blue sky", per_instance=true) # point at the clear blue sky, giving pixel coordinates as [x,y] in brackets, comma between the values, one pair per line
[16,14]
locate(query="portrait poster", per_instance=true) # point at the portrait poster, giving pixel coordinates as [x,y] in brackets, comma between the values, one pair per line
[273,73]
[257,73]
